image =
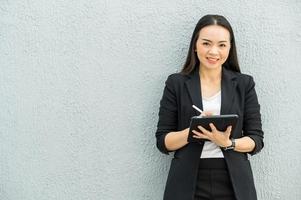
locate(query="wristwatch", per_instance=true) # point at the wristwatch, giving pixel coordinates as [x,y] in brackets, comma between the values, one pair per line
[232,146]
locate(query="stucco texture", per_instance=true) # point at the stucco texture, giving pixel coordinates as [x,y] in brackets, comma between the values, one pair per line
[81,81]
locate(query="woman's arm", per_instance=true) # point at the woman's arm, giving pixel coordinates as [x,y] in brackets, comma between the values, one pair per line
[176,140]
[168,115]
[244,144]
[252,126]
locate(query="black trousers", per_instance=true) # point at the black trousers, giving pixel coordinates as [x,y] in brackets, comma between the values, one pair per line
[213,181]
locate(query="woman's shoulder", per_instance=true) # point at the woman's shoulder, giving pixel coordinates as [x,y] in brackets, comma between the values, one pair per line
[245,79]
[177,77]
[241,78]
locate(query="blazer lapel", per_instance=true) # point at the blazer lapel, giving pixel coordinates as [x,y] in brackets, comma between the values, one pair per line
[194,89]
[228,90]
[228,86]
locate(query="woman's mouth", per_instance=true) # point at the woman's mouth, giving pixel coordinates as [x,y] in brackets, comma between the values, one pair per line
[212,60]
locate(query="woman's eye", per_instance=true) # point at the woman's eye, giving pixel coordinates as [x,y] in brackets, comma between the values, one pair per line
[222,45]
[206,44]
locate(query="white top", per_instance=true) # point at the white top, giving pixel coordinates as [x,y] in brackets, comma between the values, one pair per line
[212,104]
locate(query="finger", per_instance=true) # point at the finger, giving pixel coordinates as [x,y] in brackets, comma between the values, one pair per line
[199,135]
[206,113]
[228,130]
[204,131]
[213,128]
[209,113]
[196,133]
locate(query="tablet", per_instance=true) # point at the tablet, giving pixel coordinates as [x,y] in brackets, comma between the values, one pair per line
[221,122]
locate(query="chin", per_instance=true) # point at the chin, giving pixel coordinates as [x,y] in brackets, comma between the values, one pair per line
[212,67]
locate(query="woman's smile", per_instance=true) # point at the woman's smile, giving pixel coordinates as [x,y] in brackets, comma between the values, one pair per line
[212,60]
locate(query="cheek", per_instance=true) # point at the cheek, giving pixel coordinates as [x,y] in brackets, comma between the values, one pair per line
[225,55]
[199,56]
[201,52]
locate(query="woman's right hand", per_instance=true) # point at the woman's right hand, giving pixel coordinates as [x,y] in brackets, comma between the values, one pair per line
[206,113]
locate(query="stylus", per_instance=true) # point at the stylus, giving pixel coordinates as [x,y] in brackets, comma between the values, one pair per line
[197,109]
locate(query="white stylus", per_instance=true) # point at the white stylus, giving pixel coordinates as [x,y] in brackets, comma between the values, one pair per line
[197,109]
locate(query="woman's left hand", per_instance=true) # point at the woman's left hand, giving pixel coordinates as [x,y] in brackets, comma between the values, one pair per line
[220,138]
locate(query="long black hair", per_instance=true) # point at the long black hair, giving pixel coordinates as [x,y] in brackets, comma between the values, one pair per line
[192,60]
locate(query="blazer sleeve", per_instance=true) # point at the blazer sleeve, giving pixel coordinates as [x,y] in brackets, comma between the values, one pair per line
[252,126]
[168,114]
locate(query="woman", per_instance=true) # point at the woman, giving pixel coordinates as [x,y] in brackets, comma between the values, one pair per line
[210,79]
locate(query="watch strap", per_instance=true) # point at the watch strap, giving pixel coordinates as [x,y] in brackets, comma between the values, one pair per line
[232,146]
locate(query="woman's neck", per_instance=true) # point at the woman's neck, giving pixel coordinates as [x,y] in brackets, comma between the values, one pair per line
[210,74]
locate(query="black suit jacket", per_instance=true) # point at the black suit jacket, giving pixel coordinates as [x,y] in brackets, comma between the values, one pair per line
[238,97]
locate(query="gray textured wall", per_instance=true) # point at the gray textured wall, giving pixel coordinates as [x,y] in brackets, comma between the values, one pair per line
[80,85]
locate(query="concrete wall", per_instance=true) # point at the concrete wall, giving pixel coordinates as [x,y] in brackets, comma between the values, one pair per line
[80,84]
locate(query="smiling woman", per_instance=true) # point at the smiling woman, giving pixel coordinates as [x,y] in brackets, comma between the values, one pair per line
[213,46]
[217,168]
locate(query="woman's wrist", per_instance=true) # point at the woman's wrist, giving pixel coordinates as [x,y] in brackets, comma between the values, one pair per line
[228,143]
[185,133]
[231,146]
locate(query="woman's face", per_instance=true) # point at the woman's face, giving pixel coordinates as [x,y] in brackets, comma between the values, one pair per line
[213,46]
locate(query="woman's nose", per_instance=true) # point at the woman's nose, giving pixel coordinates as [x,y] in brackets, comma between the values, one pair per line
[213,50]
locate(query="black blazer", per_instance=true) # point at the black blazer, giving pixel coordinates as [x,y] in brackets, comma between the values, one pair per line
[238,97]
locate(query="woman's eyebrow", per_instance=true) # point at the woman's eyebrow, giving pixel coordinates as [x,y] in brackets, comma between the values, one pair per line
[206,39]
[211,41]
